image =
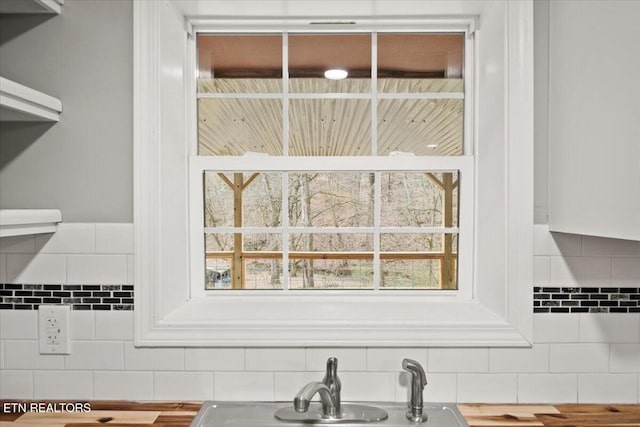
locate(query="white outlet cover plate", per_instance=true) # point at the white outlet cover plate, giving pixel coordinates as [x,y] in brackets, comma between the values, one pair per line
[53,329]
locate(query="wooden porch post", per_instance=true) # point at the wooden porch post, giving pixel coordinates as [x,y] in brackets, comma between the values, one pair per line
[237,267]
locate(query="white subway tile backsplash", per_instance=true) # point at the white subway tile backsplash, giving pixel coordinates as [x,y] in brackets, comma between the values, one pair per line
[18,245]
[288,384]
[245,386]
[541,270]
[114,325]
[607,388]
[18,324]
[95,355]
[16,384]
[82,325]
[130,270]
[218,359]
[580,271]
[440,388]
[600,246]
[576,358]
[625,272]
[183,386]
[487,388]
[458,360]
[625,358]
[556,328]
[390,359]
[349,359]
[610,328]
[70,238]
[125,385]
[275,359]
[97,269]
[36,268]
[25,354]
[557,244]
[371,386]
[114,238]
[153,359]
[548,388]
[63,385]
[519,360]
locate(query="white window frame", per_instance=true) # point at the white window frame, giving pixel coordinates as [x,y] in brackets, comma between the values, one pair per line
[229,164]
[169,312]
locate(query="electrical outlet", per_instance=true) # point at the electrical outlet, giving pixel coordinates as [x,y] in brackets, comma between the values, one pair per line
[53,329]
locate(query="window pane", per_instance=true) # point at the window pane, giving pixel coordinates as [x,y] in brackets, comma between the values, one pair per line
[327,199]
[330,127]
[419,199]
[323,261]
[233,127]
[409,63]
[259,198]
[310,55]
[418,261]
[218,257]
[240,63]
[260,261]
[425,127]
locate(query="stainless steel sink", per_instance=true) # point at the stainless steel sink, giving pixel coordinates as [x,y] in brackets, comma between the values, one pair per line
[262,414]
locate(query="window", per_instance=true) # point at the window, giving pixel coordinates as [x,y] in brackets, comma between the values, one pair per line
[332,227]
[492,305]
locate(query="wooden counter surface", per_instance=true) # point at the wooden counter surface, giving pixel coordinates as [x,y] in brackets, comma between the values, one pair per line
[180,414]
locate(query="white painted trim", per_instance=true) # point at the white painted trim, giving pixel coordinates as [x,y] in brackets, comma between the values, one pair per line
[19,102]
[308,319]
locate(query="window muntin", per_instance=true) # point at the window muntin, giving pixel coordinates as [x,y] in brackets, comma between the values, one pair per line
[418,111]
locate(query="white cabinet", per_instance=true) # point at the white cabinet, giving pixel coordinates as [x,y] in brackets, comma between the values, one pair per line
[594,118]
[21,103]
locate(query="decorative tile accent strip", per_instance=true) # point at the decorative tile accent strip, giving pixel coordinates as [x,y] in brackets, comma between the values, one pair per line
[79,297]
[586,300]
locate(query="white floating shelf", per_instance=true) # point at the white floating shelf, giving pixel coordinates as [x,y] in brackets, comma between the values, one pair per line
[31,6]
[18,222]
[21,103]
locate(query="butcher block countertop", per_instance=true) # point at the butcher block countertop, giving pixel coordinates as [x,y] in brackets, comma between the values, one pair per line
[180,414]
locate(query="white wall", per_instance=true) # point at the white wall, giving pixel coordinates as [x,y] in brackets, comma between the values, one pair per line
[81,165]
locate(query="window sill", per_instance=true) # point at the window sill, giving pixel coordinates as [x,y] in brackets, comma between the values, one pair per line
[333,320]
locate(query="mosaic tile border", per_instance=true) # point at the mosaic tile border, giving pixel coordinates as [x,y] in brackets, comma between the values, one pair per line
[79,297]
[586,300]
[120,297]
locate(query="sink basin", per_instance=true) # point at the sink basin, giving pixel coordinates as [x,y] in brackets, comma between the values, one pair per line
[262,414]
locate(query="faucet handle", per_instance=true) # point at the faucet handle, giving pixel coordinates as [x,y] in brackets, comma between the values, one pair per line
[332,380]
[416,371]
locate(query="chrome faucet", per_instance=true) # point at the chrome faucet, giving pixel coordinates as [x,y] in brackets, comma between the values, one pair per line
[303,399]
[418,381]
[328,389]
[332,381]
